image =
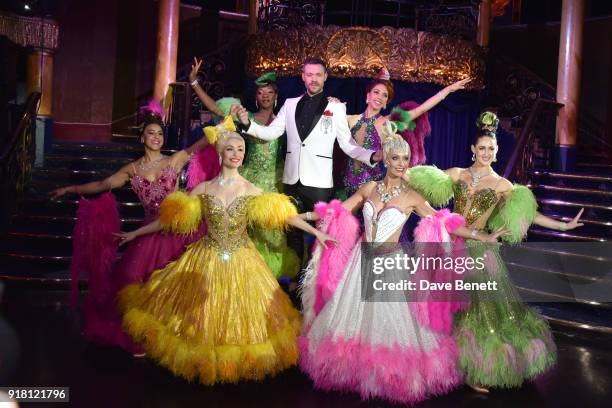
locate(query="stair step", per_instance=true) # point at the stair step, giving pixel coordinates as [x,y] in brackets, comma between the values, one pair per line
[574,190]
[530,293]
[577,317]
[57,224]
[64,206]
[542,283]
[575,204]
[564,236]
[595,167]
[578,176]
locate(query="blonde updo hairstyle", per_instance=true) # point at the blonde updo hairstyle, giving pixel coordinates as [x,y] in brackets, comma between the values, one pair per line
[391,141]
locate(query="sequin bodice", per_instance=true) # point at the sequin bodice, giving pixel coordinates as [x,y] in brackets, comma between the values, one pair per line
[263,163]
[475,207]
[357,173]
[227,227]
[152,193]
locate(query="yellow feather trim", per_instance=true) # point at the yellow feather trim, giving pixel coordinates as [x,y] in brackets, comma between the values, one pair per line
[212,364]
[271,210]
[180,213]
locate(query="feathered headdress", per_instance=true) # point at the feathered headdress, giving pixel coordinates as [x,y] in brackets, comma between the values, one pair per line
[487,123]
[413,132]
[153,108]
[383,74]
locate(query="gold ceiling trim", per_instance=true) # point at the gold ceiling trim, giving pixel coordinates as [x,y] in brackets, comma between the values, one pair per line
[30,31]
[352,52]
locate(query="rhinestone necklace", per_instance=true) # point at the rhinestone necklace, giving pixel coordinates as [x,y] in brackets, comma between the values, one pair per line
[151,165]
[224,182]
[385,196]
[476,177]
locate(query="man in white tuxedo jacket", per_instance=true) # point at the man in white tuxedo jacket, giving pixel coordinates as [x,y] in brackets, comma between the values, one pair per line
[312,124]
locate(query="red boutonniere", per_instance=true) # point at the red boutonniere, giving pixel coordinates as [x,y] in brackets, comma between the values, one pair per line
[328,113]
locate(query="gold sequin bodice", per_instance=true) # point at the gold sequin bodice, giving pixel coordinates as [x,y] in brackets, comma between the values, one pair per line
[227,227]
[476,207]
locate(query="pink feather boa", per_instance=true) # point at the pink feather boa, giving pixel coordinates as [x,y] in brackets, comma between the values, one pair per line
[94,247]
[338,222]
[436,310]
[416,137]
[203,166]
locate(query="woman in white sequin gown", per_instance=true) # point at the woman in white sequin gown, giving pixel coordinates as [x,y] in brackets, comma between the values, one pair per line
[379,349]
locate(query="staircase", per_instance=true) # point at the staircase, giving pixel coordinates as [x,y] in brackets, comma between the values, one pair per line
[571,271]
[36,248]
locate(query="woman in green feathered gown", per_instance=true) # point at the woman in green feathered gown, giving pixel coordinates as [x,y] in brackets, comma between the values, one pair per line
[263,166]
[502,341]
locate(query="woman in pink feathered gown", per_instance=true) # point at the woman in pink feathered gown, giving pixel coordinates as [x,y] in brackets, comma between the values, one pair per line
[395,350]
[152,177]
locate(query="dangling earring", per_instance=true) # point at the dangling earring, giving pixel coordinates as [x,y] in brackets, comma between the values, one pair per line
[494,159]
[367,101]
[385,107]
[141,140]
[473,157]
[256,104]
[220,160]
[275,102]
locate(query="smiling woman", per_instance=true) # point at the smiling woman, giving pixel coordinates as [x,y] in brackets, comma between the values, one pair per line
[263,165]
[152,177]
[232,320]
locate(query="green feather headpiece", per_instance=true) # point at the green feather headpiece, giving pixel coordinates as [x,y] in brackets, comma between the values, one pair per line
[487,123]
[266,79]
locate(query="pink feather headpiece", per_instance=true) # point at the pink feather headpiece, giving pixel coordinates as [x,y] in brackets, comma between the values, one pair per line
[383,74]
[154,108]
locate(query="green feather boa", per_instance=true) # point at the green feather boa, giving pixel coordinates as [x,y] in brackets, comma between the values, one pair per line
[516,214]
[432,183]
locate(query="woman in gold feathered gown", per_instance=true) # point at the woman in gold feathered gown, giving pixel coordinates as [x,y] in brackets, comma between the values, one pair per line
[217,314]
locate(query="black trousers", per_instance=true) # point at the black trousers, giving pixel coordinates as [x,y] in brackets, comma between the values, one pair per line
[306,197]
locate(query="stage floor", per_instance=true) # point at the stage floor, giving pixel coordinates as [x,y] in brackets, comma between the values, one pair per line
[53,353]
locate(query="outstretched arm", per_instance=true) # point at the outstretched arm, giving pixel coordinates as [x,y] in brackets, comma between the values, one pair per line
[550,223]
[125,237]
[202,95]
[423,209]
[437,98]
[297,222]
[115,181]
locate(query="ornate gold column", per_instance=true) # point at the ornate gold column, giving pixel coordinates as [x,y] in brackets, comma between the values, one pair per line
[568,81]
[39,75]
[167,47]
[484,23]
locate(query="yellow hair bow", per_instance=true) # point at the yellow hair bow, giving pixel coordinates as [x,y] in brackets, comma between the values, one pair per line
[212,132]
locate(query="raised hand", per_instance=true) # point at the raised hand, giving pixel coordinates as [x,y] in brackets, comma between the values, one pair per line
[574,223]
[458,85]
[193,74]
[242,114]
